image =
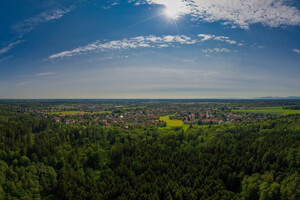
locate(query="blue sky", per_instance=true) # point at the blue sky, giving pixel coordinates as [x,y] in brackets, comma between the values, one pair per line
[149,48]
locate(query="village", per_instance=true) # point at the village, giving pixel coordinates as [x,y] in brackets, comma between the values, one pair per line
[133,115]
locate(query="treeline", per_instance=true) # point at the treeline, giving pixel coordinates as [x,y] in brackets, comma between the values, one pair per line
[41,159]
[294,107]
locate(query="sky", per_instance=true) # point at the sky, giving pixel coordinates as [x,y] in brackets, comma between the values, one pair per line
[149,49]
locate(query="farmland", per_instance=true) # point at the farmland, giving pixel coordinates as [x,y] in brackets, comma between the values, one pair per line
[269,110]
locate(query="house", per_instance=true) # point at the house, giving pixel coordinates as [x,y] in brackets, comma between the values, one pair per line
[210,121]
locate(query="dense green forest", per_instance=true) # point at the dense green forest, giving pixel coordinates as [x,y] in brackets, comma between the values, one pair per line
[42,159]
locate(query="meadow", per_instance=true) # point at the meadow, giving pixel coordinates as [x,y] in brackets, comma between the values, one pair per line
[269,110]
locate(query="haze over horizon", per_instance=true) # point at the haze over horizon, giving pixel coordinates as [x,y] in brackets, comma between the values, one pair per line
[164,49]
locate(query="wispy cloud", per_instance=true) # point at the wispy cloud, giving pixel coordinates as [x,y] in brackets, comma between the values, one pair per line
[45,74]
[10,46]
[3,59]
[42,74]
[141,42]
[31,23]
[27,82]
[110,3]
[296,51]
[238,13]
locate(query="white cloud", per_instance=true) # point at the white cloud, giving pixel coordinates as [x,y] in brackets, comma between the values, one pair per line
[296,51]
[219,38]
[10,46]
[29,24]
[238,13]
[216,50]
[131,43]
[205,37]
[163,45]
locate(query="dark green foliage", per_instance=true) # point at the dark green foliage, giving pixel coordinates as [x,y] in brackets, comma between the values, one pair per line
[41,159]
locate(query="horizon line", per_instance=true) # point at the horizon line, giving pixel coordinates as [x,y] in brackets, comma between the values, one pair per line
[233,98]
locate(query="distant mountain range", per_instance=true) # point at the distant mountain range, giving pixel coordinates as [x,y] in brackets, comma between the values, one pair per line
[270,97]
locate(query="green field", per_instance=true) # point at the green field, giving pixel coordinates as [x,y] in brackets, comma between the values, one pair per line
[103,112]
[77,112]
[269,110]
[67,112]
[173,123]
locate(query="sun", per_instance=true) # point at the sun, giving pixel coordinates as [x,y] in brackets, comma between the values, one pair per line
[171,12]
[174,8]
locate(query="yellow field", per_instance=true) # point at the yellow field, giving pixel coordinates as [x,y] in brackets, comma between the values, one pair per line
[171,123]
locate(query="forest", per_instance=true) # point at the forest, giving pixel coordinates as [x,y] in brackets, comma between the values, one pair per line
[44,159]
